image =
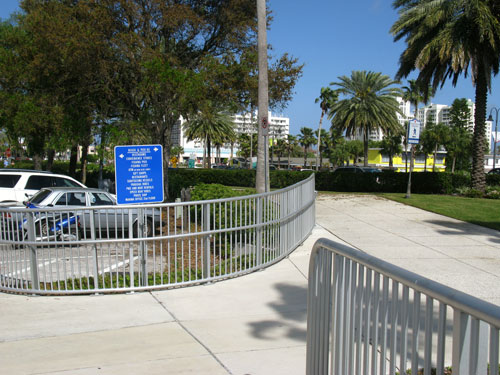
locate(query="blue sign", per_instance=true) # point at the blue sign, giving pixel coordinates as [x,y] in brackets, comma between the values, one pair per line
[413,132]
[139,174]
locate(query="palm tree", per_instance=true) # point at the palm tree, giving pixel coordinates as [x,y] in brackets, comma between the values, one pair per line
[415,93]
[306,140]
[326,99]
[291,142]
[210,127]
[324,142]
[391,145]
[445,39]
[370,103]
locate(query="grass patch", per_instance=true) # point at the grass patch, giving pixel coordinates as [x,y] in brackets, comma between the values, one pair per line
[480,211]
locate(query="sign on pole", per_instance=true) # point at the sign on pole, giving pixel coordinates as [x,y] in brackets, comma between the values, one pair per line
[139,174]
[413,132]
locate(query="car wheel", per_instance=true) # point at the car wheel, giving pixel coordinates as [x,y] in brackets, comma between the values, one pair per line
[148,228]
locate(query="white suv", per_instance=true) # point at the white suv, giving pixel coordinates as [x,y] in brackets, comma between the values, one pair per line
[17,185]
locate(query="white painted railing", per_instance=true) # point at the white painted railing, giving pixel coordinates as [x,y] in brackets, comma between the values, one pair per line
[366,316]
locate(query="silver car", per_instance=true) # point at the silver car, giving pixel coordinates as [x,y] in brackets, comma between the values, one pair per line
[86,213]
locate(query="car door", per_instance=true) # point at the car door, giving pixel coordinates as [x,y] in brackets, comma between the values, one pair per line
[108,220]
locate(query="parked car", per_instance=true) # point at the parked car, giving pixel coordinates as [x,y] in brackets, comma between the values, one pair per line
[494,171]
[357,169]
[78,220]
[18,185]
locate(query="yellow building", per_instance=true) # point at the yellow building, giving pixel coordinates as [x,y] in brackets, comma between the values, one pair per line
[376,158]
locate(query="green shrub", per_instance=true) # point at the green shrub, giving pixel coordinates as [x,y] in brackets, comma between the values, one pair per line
[493,179]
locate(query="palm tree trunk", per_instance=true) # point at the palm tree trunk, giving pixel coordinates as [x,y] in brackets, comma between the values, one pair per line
[319,138]
[289,154]
[365,147]
[434,161]
[209,153]
[305,157]
[262,176]
[478,177]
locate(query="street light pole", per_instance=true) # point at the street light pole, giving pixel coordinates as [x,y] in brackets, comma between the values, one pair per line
[495,137]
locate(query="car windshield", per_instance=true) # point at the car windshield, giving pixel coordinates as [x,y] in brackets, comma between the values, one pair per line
[40,196]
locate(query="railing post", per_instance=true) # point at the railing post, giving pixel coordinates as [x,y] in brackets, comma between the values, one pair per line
[94,253]
[259,220]
[206,240]
[35,284]
[461,342]
[142,247]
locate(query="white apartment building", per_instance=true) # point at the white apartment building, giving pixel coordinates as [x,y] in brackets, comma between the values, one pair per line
[440,113]
[279,126]
[244,124]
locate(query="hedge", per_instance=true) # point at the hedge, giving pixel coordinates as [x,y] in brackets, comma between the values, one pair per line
[386,181]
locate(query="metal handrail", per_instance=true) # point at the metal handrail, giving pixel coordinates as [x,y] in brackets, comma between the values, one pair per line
[471,305]
[111,250]
[357,323]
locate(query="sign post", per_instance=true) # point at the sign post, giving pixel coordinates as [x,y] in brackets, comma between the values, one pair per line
[139,179]
[413,137]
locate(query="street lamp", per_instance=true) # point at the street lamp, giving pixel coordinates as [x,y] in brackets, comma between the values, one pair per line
[495,137]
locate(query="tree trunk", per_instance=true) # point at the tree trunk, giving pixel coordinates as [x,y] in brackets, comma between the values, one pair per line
[453,164]
[478,177]
[50,159]
[434,161]
[365,148]
[83,163]
[73,160]
[209,153]
[305,157]
[319,138]
[262,177]
[37,162]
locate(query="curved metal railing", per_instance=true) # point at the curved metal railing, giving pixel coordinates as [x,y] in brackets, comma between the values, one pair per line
[371,317]
[134,248]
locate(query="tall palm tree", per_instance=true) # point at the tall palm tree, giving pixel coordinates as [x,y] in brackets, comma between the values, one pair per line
[306,140]
[370,103]
[326,99]
[210,127]
[445,39]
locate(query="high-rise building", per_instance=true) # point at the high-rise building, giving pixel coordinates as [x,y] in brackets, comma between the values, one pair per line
[279,127]
[440,113]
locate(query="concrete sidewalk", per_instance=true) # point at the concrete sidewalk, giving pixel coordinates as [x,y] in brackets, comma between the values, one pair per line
[254,324]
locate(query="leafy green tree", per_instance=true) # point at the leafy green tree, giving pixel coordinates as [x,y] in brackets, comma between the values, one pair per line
[355,148]
[339,153]
[391,145]
[306,140]
[433,137]
[369,104]
[326,99]
[445,39]
[459,145]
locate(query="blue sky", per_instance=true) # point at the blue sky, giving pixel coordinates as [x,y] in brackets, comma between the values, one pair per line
[333,38]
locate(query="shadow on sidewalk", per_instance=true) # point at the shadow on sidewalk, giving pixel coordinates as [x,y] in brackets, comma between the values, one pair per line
[292,310]
[463,228]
